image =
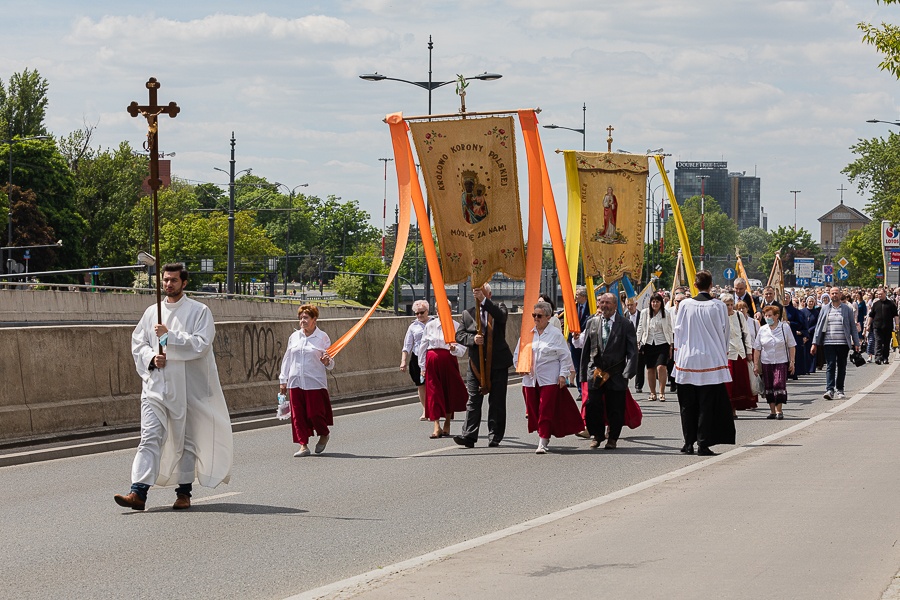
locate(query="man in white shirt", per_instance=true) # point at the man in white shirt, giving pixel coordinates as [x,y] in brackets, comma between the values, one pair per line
[185,425]
[701,369]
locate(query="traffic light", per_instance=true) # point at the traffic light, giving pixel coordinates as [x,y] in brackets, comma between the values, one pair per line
[749,258]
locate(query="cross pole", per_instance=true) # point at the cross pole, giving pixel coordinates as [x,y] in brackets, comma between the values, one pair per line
[151,111]
[609,140]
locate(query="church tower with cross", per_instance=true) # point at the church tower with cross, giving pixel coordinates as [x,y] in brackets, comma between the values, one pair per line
[837,223]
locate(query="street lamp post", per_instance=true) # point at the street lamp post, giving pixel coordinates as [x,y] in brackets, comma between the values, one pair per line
[582,131]
[702,179]
[231,175]
[651,204]
[384,208]
[287,249]
[9,183]
[795,192]
[429,86]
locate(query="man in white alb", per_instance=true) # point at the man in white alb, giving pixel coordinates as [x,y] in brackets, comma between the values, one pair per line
[701,369]
[185,425]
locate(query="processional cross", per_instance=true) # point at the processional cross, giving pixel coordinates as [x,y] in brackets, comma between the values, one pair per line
[150,112]
[609,139]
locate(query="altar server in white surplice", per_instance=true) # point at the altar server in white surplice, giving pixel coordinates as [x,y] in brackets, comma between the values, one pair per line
[701,335]
[185,425]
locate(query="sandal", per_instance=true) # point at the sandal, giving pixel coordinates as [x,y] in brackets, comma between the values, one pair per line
[652,397]
[662,397]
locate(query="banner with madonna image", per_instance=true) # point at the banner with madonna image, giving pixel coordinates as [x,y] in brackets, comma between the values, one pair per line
[612,188]
[469,168]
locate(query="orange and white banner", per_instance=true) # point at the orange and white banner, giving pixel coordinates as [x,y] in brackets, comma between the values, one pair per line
[469,168]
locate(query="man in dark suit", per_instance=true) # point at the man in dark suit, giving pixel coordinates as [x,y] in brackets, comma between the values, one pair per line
[490,344]
[768,299]
[634,315]
[584,313]
[608,344]
[742,295]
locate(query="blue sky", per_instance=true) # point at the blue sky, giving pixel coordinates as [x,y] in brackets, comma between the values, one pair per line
[779,88]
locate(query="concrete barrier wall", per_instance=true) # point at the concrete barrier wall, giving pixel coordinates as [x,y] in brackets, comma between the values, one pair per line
[64,379]
[43,306]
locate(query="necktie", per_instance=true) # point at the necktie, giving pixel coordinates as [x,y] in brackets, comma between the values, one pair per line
[605,331]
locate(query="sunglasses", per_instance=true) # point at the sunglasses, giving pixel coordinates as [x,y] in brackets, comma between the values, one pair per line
[538,315]
[421,312]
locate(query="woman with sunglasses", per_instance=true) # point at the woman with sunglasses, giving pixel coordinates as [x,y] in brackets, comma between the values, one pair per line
[409,358]
[551,408]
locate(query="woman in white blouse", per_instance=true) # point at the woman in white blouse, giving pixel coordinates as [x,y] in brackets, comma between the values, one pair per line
[445,392]
[550,407]
[654,339]
[304,374]
[774,359]
[410,344]
[740,352]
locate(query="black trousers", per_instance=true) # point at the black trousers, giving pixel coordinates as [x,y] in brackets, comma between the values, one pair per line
[883,343]
[496,420]
[639,375]
[705,414]
[610,403]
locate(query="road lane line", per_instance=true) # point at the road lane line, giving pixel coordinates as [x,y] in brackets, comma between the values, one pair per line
[436,451]
[216,497]
[351,586]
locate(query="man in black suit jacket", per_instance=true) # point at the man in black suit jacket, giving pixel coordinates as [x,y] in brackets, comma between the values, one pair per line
[741,294]
[584,313]
[497,360]
[610,344]
[634,315]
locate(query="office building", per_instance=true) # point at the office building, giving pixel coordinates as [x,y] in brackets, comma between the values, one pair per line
[737,193]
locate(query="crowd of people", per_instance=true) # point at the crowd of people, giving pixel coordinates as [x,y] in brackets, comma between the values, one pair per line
[721,350]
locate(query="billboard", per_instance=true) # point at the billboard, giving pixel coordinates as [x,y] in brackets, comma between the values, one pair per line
[890,235]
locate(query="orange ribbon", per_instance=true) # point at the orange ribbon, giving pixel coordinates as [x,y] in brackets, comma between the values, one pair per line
[540,198]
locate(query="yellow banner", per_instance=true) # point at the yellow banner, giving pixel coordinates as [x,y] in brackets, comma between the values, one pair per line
[683,240]
[613,202]
[469,167]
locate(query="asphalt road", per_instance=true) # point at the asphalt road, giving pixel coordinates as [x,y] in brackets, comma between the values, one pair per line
[382,493]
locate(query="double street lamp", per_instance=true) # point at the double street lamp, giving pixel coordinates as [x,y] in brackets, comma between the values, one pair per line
[287,248]
[9,184]
[582,131]
[429,86]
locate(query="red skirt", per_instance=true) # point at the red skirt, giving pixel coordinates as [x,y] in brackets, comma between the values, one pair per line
[552,411]
[445,391]
[310,413]
[742,398]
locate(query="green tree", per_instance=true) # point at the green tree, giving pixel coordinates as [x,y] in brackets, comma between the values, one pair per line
[368,260]
[791,244]
[864,262]
[886,40]
[347,286]
[23,104]
[876,173]
[753,242]
[39,166]
[721,236]
[30,229]
[107,188]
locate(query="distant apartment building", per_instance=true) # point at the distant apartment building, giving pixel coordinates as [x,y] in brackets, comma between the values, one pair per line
[737,193]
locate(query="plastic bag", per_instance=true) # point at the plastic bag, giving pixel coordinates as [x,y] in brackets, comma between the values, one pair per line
[283,412]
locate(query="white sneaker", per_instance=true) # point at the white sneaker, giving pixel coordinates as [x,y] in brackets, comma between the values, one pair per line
[303,451]
[840,396]
[828,395]
[542,446]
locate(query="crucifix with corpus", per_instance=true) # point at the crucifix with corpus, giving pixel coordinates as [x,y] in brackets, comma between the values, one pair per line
[151,111]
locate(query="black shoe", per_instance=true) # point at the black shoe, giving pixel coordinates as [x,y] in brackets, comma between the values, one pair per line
[493,444]
[877,361]
[702,451]
[771,416]
[780,416]
[687,449]
[463,441]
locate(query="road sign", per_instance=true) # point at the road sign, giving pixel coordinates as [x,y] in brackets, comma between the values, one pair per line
[843,274]
[843,262]
[803,281]
[828,278]
[658,273]
[803,267]
[828,269]
[818,277]
[729,274]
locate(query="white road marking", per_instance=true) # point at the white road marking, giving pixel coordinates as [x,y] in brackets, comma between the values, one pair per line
[216,497]
[436,451]
[349,587]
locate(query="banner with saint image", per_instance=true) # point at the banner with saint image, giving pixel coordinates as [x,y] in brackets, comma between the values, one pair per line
[613,203]
[469,168]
